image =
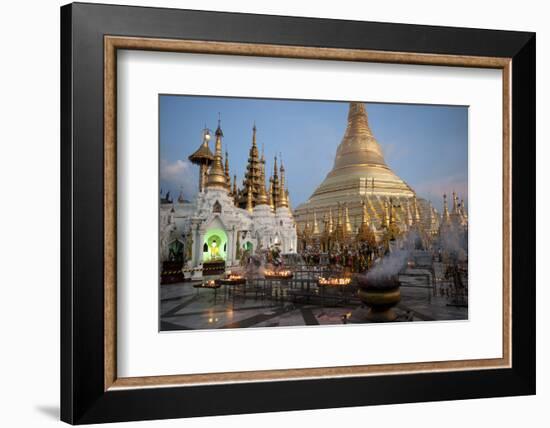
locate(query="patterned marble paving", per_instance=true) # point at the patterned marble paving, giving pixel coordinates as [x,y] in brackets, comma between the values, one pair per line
[182,307]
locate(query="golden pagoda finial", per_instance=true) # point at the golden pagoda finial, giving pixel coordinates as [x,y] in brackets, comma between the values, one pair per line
[262,198]
[386,213]
[203,157]
[330,222]
[271,202]
[365,232]
[446,217]
[416,213]
[325,225]
[306,231]
[283,200]
[216,175]
[276,186]
[315,230]
[252,175]
[338,230]
[283,192]
[455,203]
[254,135]
[392,229]
[347,223]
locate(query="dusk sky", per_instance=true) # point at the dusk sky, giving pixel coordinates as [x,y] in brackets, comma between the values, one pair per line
[427,146]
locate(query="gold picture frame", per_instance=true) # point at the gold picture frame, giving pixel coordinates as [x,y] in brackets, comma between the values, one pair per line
[114,43]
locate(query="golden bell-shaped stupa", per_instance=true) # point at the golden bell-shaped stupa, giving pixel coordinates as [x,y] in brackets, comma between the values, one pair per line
[360,174]
[359,167]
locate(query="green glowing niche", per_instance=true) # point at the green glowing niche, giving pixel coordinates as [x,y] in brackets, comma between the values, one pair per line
[214,245]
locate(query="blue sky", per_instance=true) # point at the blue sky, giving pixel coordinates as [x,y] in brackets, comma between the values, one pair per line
[425,145]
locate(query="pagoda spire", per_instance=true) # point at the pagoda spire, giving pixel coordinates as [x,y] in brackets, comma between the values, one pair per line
[347,223]
[338,232]
[203,157]
[306,231]
[386,217]
[416,213]
[330,222]
[227,174]
[315,224]
[254,135]
[216,175]
[365,232]
[283,191]
[446,217]
[326,231]
[358,145]
[271,202]
[455,203]
[276,186]
[262,198]
[252,181]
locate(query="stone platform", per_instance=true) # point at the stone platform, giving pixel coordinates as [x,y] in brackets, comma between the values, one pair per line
[186,308]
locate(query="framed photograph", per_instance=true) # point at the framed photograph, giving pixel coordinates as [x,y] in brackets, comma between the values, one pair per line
[266,213]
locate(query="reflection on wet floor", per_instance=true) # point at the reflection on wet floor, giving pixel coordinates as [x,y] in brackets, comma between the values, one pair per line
[184,307]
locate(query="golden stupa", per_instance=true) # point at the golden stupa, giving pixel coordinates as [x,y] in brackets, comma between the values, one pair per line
[361,178]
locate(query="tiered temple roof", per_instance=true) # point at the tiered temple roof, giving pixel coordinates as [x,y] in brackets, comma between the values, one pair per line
[215,173]
[252,176]
[254,181]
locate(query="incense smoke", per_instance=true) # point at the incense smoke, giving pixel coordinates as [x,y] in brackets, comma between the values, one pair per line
[388,266]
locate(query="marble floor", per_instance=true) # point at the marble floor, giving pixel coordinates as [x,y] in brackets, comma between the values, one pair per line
[183,307]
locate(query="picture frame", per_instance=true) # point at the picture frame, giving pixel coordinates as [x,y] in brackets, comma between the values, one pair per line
[91,391]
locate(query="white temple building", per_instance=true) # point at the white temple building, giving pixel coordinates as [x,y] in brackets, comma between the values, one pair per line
[223,222]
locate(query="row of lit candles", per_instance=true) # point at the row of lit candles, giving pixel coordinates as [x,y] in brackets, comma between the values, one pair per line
[234,276]
[334,281]
[280,273]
